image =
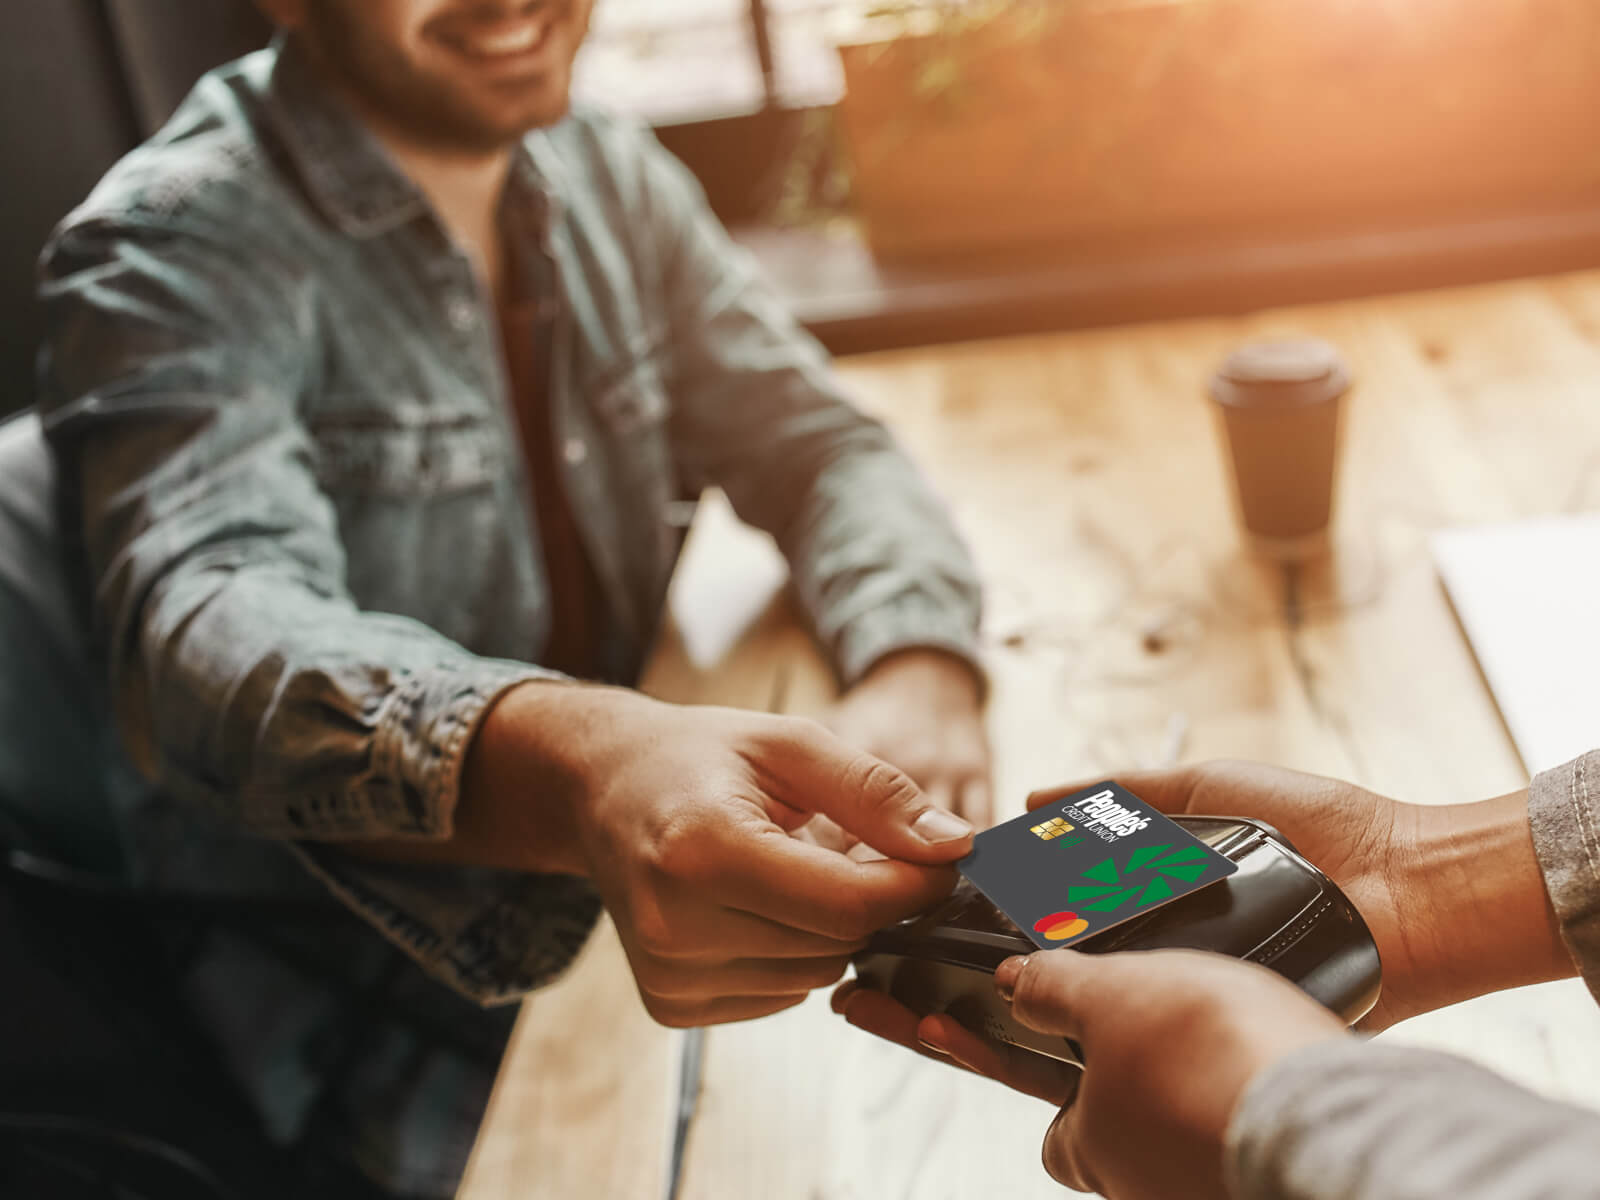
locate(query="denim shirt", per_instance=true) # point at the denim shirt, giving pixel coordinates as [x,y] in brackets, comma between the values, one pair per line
[277,388]
[276,393]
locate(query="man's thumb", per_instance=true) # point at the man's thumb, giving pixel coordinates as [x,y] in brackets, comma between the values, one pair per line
[869,798]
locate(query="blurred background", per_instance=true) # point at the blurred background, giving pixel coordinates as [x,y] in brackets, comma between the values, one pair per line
[938,171]
[929,170]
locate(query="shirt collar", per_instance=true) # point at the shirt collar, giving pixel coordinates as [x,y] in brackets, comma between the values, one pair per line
[350,176]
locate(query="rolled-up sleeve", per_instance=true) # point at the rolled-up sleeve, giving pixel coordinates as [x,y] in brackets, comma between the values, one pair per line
[1564,812]
[876,561]
[245,678]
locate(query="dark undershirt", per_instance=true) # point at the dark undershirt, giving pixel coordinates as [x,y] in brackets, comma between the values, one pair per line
[575,596]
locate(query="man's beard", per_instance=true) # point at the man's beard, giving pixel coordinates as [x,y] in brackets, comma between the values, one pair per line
[427,110]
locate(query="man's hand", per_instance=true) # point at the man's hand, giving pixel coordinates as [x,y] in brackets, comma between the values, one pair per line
[1170,1039]
[683,818]
[1453,894]
[922,711]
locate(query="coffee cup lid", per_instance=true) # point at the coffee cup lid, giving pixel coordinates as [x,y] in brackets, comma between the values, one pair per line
[1285,371]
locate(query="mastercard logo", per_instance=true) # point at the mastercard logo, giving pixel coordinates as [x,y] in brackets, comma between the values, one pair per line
[1060,926]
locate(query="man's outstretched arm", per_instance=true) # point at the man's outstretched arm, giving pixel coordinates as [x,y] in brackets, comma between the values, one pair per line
[245,678]
[250,683]
[884,578]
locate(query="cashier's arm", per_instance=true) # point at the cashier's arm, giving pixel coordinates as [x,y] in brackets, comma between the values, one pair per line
[1453,894]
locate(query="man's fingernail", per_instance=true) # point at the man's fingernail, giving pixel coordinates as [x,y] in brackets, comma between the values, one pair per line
[936,825]
[932,1049]
[1005,976]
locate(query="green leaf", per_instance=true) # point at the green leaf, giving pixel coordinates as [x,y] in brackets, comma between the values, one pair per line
[1186,854]
[1140,857]
[1159,889]
[1104,872]
[1114,901]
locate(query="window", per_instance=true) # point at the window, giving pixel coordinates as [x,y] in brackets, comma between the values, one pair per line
[686,60]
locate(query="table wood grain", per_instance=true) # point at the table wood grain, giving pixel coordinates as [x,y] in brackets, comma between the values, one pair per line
[1085,470]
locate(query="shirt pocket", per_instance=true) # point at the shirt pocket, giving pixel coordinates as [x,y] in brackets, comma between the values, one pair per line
[431,522]
[631,396]
[378,455]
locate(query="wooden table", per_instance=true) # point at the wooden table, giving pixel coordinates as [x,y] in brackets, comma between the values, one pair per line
[1085,471]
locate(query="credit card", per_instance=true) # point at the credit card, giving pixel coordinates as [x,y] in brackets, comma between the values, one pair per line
[1087,862]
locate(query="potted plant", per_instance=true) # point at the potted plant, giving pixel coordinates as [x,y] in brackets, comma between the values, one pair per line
[985,126]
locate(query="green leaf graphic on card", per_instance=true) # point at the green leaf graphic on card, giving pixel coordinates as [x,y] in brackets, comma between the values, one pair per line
[1140,879]
[1105,872]
[1140,857]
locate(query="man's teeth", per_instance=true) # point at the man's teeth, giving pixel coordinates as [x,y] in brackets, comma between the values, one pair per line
[511,41]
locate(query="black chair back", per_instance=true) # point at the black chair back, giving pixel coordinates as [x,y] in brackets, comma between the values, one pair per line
[81,83]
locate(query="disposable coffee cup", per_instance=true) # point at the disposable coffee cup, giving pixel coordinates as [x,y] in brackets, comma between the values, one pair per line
[1279,404]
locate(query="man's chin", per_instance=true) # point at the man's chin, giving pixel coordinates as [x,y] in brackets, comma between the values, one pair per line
[511,123]
[485,133]
[545,115]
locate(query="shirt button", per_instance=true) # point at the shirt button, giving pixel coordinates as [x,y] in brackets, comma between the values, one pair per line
[461,313]
[576,450]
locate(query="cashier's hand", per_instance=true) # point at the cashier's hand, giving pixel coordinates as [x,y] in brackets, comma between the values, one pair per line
[922,710]
[1453,893]
[1171,1039]
[1362,840]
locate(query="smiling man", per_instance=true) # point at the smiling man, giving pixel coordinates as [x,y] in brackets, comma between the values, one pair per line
[378,381]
